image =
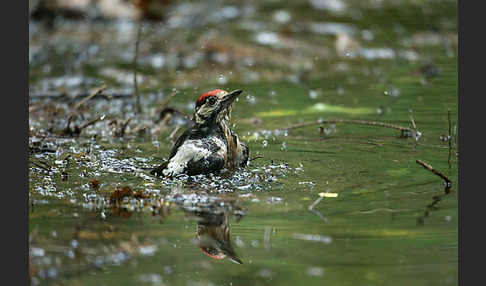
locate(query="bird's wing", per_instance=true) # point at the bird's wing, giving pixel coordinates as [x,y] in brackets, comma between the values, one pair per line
[191,132]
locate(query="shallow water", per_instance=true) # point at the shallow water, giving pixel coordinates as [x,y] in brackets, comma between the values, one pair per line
[378,217]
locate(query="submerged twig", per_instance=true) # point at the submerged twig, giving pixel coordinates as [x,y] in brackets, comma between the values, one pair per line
[326,194]
[430,207]
[438,198]
[438,173]
[450,138]
[449,119]
[311,207]
[405,131]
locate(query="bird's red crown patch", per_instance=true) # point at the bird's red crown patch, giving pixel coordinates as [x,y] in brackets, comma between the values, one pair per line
[211,93]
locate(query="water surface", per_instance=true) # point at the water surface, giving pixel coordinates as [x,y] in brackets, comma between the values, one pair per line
[379,217]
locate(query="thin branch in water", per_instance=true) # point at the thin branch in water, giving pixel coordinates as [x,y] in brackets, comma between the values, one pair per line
[415,131]
[430,207]
[125,124]
[37,165]
[405,131]
[45,164]
[134,63]
[33,234]
[91,122]
[438,173]
[120,127]
[413,123]
[449,139]
[172,135]
[168,98]
[256,157]
[326,194]
[319,214]
[77,129]
[68,125]
[100,90]
[311,207]
[449,118]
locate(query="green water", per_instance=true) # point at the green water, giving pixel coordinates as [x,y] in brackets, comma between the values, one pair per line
[387,220]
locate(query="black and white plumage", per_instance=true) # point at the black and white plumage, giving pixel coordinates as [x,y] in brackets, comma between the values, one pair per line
[209,145]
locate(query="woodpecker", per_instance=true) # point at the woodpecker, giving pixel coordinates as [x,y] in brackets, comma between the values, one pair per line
[209,145]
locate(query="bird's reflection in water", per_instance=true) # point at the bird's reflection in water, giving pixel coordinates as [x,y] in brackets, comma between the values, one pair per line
[213,231]
[212,214]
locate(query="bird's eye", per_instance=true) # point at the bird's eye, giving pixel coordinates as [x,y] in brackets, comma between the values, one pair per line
[212,100]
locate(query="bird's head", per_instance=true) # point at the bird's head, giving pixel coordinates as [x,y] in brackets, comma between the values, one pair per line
[215,106]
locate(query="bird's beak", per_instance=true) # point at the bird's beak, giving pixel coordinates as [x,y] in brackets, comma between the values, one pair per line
[230,98]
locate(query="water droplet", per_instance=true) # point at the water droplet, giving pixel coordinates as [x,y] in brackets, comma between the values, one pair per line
[222,79]
[313,93]
[251,99]
[74,243]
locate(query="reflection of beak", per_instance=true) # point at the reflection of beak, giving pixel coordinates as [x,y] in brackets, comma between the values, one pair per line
[235,259]
[230,98]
